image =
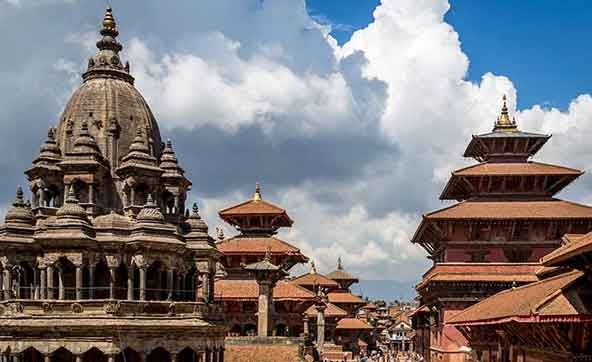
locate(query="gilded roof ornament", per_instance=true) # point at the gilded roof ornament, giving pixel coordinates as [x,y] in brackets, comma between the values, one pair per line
[339,266]
[503,122]
[313,268]
[109,24]
[257,194]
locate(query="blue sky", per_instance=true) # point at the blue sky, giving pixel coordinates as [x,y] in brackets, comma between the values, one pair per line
[542,45]
[355,142]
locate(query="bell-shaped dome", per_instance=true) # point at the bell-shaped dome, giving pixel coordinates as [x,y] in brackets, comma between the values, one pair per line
[20,212]
[110,104]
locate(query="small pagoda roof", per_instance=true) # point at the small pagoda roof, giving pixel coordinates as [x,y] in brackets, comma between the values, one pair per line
[344,298]
[258,245]
[263,265]
[421,309]
[256,206]
[248,290]
[313,279]
[331,311]
[504,128]
[548,300]
[341,275]
[574,245]
[352,324]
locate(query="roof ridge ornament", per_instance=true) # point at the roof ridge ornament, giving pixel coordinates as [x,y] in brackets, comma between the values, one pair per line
[339,266]
[257,195]
[503,122]
[313,267]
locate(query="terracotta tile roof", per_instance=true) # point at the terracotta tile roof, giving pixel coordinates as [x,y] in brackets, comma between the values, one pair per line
[575,244]
[252,207]
[516,168]
[543,300]
[331,311]
[256,245]
[251,352]
[249,290]
[344,298]
[352,323]
[311,279]
[341,275]
[481,272]
[515,209]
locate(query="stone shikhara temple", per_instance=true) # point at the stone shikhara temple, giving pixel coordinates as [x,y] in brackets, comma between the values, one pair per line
[103,264]
[506,221]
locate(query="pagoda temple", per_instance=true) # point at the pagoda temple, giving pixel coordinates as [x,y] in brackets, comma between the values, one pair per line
[505,219]
[257,222]
[549,320]
[105,263]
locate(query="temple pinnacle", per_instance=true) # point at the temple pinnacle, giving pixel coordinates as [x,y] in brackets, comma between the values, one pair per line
[503,122]
[109,24]
[257,195]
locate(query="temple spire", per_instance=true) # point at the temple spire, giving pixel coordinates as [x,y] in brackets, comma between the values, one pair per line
[503,122]
[257,194]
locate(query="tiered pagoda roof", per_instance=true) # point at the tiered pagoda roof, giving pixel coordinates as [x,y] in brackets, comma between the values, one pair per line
[258,222]
[504,186]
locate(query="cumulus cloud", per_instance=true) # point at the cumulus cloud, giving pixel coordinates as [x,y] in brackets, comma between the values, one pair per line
[354,141]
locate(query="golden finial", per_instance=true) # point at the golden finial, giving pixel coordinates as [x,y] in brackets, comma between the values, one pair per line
[257,195]
[108,20]
[339,266]
[503,122]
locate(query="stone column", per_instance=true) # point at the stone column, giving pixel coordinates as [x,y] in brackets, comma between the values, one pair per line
[130,282]
[170,277]
[42,282]
[112,282]
[78,282]
[50,293]
[47,358]
[78,358]
[111,358]
[208,355]
[264,307]
[91,280]
[61,290]
[320,327]
[178,293]
[35,291]
[221,355]
[7,279]
[305,325]
[143,282]
[205,284]
[91,193]
[1,296]
[132,196]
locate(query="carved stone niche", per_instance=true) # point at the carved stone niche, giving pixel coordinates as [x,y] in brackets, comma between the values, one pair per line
[77,308]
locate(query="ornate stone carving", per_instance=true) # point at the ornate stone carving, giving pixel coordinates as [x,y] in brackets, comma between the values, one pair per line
[77,308]
[112,307]
[47,307]
[113,261]
[172,309]
[15,308]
